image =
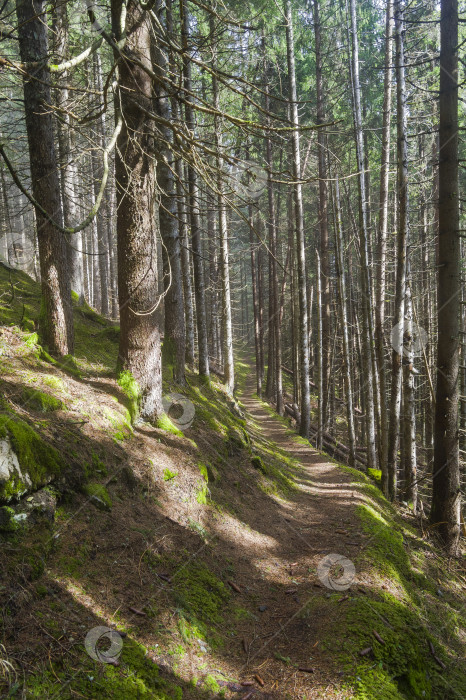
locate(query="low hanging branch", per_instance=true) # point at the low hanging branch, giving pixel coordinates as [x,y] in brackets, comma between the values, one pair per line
[93,212]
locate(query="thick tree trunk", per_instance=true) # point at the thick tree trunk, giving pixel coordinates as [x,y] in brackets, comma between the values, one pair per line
[57,316]
[446,498]
[300,243]
[139,351]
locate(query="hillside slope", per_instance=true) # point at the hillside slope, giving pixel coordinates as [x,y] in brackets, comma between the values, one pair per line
[204,550]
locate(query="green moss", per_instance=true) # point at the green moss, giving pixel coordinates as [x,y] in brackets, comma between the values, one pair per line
[39,400]
[200,594]
[132,392]
[375,474]
[202,494]
[41,590]
[98,495]
[204,471]
[38,460]
[169,475]
[31,340]
[257,463]
[136,678]
[7,520]
[164,423]
[91,315]
[68,364]
[211,684]
[54,382]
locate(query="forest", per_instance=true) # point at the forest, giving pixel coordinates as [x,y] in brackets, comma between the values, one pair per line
[232,349]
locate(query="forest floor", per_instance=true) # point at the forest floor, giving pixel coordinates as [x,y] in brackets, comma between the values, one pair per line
[206,550]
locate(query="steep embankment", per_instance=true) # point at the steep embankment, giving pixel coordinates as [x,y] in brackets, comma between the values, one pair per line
[202,549]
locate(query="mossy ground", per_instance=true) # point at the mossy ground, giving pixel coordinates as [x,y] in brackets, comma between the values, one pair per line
[183,565]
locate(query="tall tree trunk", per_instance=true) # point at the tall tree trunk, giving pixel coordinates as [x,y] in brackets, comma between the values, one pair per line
[139,350]
[199,283]
[409,416]
[57,326]
[445,511]
[274,323]
[390,484]
[300,244]
[323,221]
[173,353]
[320,363]
[255,301]
[67,163]
[368,335]
[342,292]
[102,215]
[228,360]
[382,236]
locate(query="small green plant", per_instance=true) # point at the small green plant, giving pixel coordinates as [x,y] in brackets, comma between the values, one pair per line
[168,475]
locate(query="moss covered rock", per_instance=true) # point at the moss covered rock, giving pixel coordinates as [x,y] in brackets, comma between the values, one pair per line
[26,461]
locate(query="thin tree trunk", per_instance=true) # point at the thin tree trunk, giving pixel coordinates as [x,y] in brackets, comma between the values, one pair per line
[382,237]
[341,277]
[300,244]
[173,352]
[320,363]
[228,360]
[199,283]
[67,164]
[323,222]
[409,418]
[368,335]
[390,484]
[102,215]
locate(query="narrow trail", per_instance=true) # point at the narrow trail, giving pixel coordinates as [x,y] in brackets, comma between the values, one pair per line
[317,519]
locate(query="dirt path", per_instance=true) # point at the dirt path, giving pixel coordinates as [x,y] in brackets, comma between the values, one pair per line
[289,540]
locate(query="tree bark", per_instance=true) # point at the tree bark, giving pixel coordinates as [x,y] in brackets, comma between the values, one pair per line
[199,282]
[173,352]
[445,511]
[67,163]
[57,318]
[300,243]
[368,335]
[323,222]
[139,350]
[382,235]
[390,483]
